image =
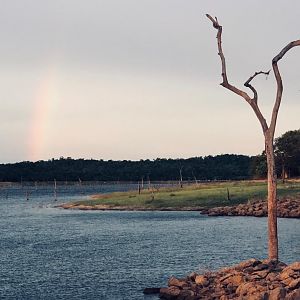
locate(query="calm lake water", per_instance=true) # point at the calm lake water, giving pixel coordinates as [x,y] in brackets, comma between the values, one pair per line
[50,253]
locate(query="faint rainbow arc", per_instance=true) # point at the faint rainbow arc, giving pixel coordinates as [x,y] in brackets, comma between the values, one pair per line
[44,101]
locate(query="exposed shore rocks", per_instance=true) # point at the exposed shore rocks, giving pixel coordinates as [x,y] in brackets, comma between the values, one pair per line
[286,208]
[249,280]
[125,208]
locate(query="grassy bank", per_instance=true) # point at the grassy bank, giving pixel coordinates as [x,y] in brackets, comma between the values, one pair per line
[204,195]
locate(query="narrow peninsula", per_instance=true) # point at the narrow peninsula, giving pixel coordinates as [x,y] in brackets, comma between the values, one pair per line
[237,198]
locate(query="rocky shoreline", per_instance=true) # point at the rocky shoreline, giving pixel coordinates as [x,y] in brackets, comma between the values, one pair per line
[286,208]
[250,280]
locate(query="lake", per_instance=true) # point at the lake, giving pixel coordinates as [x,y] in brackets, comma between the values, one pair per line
[50,253]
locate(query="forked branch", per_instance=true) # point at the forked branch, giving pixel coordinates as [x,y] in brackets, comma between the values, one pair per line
[253,101]
[227,85]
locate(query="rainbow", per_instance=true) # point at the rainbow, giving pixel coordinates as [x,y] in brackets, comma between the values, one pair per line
[45,99]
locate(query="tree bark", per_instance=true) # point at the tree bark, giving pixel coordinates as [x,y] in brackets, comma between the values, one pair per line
[272,199]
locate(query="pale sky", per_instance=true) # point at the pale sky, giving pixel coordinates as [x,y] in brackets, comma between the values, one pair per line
[137,79]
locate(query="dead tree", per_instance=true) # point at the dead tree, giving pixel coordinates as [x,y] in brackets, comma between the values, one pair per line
[268,130]
[180,178]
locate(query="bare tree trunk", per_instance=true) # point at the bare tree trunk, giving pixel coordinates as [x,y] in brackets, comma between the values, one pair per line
[180,178]
[268,130]
[55,190]
[139,188]
[283,172]
[228,195]
[272,200]
[196,181]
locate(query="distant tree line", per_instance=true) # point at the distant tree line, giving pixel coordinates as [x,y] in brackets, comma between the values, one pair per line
[220,167]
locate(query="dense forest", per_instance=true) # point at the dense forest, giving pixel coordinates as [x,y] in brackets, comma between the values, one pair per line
[220,167]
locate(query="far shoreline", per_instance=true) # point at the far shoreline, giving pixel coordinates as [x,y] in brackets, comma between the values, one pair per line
[73,206]
[236,198]
[287,208]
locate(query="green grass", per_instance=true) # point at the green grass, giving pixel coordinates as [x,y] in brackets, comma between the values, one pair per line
[203,195]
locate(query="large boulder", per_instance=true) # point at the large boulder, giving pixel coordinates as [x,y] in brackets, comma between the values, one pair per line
[278,293]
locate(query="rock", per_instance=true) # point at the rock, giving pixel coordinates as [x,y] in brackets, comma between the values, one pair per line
[272,263]
[293,214]
[259,214]
[251,290]
[193,287]
[287,281]
[151,291]
[255,278]
[294,284]
[281,265]
[173,281]
[213,296]
[66,206]
[261,267]
[186,295]
[248,270]
[243,288]
[230,289]
[247,263]
[235,280]
[201,280]
[271,277]
[249,280]
[224,297]
[169,293]
[229,274]
[295,266]
[256,288]
[286,273]
[192,276]
[287,208]
[259,296]
[295,295]
[277,294]
[261,274]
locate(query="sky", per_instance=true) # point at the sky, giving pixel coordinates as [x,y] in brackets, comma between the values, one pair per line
[138,79]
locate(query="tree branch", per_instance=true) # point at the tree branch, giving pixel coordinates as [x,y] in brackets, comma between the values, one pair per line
[247,83]
[220,53]
[279,83]
[230,87]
